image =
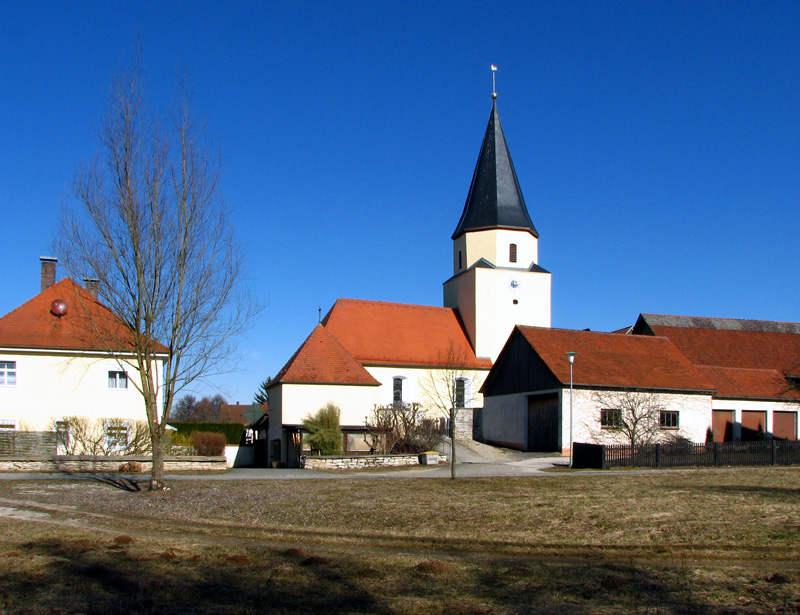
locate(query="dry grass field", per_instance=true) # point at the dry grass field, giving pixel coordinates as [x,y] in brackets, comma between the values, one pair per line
[707,541]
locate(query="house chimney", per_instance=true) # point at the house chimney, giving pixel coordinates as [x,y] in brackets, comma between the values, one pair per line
[92,286]
[48,277]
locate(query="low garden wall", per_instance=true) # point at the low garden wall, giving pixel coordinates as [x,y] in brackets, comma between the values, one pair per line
[90,463]
[361,461]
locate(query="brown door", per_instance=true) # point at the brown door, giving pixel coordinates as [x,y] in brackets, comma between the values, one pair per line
[752,420]
[544,423]
[784,425]
[722,424]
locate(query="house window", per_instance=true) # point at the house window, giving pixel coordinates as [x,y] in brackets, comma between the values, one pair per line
[610,419]
[116,437]
[460,392]
[397,390]
[512,253]
[669,419]
[8,373]
[117,380]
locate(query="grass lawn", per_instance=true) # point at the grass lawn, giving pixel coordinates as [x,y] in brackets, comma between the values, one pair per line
[704,541]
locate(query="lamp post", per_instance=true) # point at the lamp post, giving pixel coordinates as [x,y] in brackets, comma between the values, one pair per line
[571,357]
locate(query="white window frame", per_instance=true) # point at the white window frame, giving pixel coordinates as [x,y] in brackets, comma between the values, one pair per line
[113,441]
[669,413]
[11,424]
[7,367]
[119,376]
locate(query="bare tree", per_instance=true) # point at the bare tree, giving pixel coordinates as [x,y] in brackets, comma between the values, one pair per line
[204,410]
[632,416]
[148,222]
[449,387]
[402,428]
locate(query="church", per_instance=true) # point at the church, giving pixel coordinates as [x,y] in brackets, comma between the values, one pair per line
[372,353]
[491,354]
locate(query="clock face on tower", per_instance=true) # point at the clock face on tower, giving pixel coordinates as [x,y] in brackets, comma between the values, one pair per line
[513,284]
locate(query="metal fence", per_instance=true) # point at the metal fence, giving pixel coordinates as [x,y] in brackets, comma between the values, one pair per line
[763,453]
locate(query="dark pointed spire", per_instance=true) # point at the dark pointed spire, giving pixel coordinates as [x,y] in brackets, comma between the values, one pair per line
[494,199]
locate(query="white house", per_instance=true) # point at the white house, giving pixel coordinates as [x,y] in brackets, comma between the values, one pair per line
[54,365]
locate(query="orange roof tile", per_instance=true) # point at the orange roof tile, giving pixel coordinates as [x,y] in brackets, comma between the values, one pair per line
[323,360]
[33,324]
[751,357]
[610,359]
[742,382]
[381,333]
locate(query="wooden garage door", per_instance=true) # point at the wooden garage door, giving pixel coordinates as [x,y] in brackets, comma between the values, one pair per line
[544,424]
[784,425]
[751,419]
[722,424]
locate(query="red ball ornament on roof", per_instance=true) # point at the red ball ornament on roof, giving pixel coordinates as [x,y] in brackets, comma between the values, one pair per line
[58,307]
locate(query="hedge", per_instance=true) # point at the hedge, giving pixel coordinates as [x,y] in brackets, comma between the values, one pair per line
[233,432]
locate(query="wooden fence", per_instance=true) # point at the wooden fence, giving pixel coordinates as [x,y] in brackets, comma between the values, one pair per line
[764,453]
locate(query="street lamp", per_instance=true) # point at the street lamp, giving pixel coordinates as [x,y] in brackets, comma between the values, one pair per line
[571,357]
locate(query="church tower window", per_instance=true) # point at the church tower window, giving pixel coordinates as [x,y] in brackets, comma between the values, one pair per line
[512,253]
[460,266]
[397,390]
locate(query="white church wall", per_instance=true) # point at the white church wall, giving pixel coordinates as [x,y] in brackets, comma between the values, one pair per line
[298,401]
[419,384]
[53,386]
[508,298]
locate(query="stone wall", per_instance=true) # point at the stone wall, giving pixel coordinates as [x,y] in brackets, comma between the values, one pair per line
[360,461]
[89,463]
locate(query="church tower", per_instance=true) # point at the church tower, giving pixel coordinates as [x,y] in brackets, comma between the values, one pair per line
[497,281]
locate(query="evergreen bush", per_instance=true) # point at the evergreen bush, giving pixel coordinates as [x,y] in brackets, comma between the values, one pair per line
[324,432]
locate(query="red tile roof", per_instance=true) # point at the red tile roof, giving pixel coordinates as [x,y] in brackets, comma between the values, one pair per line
[234,413]
[610,359]
[323,360]
[33,324]
[742,382]
[745,358]
[380,333]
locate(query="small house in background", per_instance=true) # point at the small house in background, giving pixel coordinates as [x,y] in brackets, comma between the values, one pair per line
[54,365]
[527,392]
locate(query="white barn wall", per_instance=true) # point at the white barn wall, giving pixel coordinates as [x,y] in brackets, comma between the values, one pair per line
[694,418]
[740,405]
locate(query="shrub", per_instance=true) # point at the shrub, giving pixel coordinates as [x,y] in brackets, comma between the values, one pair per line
[324,433]
[208,444]
[233,432]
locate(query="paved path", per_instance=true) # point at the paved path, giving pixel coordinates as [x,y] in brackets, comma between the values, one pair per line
[472,460]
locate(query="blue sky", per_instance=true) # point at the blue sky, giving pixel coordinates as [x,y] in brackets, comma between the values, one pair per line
[657,145]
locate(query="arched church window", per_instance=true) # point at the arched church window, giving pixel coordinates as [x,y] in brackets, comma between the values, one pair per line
[397,390]
[460,396]
[512,253]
